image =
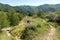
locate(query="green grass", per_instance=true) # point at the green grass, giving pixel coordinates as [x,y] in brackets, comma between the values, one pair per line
[40,26]
[42,30]
[4,36]
[58,33]
[57,27]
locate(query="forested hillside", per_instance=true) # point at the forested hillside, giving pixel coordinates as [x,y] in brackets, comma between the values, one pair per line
[30,9]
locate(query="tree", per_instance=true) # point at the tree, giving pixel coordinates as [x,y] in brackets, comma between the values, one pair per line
[4,21]
[50,16]
[13,18]
[39,13]
[30,13]
[57,19]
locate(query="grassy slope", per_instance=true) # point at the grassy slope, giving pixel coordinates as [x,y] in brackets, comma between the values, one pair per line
[42,30]
[57,34]
[4,36]
[57,37]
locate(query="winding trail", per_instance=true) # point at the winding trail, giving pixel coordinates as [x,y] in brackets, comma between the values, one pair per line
[49,35]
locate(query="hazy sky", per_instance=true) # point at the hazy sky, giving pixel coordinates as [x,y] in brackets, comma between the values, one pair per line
[29,2]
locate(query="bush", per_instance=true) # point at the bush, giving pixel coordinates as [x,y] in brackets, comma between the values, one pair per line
[17,31]
[4,21]
[57,19]
[50,17]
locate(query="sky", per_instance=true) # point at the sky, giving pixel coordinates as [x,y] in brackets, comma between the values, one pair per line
[29,2]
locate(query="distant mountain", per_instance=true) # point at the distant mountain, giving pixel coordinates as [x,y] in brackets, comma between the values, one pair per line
[26,8]
[30,9]
[5,7]
[49,7]
[45,7]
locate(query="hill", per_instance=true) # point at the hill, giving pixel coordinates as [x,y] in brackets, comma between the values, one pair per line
[30,9]
[30,22]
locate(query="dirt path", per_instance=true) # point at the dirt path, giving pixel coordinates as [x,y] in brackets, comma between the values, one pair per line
[6,30]
[49,36]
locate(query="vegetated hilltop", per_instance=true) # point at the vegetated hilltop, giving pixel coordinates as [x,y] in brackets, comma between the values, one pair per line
[30,27]
[30,22]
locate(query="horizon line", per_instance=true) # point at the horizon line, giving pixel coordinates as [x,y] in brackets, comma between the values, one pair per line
[30,5]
